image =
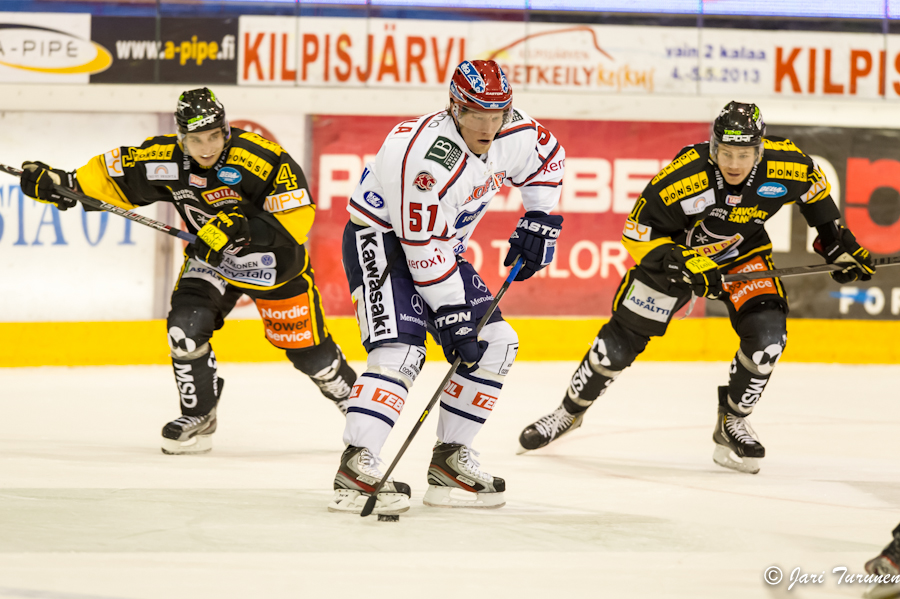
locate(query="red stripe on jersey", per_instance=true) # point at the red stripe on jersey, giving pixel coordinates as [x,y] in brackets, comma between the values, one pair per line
[516,129]
[453,179]
[370,215]
[544,162]
[403,176]
[441,278]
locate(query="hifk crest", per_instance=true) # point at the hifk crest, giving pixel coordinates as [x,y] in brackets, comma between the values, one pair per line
[424,181]
[473,77]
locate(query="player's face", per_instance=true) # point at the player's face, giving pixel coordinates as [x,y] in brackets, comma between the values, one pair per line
[205,146]
[736,162]
[479,128]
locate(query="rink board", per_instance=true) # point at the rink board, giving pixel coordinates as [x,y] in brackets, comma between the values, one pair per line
[707,339]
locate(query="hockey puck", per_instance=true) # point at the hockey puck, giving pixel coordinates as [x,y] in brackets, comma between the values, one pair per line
[388,517]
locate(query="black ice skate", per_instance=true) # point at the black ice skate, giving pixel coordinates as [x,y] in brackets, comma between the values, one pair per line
[357,477]
[886,565]
[454,475]
[191,434]
[552,426]
[736,444]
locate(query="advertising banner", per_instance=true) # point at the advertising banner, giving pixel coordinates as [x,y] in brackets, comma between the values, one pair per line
[615,59]
[186,51]
[49,48]
[608,163]
[72,265]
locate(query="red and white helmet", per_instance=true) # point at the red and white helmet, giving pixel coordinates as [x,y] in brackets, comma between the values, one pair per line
[480,85]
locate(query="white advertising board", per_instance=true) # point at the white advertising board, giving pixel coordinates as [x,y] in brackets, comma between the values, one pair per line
[72,265]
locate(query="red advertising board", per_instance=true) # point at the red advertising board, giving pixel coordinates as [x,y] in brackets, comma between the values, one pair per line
[608,163]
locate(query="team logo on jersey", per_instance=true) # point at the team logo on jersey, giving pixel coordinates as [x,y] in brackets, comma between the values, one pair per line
[197,181]
[221,196]
[229,176]
[732,200]
[373,199]
[424,181]
[494,183]
[444,152]
[162,171]
[771,190]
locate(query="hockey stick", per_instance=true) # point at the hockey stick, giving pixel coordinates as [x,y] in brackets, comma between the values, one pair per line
[795,271]
[101,205]
[370,502]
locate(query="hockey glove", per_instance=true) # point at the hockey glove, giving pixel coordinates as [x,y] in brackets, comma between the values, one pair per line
[535,240]
[456,331]
[227,231]
[684,265]
[843,249]
[38,182]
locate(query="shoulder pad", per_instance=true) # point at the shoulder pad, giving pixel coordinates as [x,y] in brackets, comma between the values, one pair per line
[690,160]
[248,139]
[251,158]
[780,144]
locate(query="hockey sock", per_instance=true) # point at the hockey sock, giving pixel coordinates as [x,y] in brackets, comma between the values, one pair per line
[590,380]
[198,384]
[746,384]
[466,403]
[375,405]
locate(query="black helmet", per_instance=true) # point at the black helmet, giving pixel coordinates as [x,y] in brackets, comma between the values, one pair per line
[200,110]
[738,125]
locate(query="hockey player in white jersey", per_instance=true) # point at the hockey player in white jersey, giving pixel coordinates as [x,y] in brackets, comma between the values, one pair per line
[411,217]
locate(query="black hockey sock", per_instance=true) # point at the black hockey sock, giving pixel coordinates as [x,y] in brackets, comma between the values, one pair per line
[326,366]
[198,384]
[744,387]
[587,384]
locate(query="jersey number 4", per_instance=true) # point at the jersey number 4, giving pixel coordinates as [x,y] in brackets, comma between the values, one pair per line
[415,217]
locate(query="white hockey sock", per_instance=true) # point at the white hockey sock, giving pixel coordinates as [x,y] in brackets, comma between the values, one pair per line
[375,405]
[466,403]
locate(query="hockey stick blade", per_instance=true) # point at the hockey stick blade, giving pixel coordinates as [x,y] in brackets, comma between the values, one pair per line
[795,271]
[373,498]
[101,205]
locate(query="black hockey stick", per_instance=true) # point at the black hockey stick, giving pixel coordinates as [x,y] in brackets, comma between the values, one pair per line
[101,205]
[370,502]
[794,271]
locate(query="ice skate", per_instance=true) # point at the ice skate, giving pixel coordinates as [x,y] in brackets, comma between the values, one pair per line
[192,434]
[455,480]
[357,477]
[736,444]
[189,434]
[552,426]
[887,565]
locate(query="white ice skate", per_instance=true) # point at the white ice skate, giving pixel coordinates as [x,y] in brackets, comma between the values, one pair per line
[356,479]
[189,434]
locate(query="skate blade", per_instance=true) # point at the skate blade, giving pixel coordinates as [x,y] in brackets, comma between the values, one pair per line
[196,444]
[882,591]
[346,501]
[453,497]
[520,450]
[723,457]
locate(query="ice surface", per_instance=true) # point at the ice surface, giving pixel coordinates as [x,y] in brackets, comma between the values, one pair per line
[629,506]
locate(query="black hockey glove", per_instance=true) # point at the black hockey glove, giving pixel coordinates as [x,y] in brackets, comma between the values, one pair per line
[535,240]
[227,231]
[842,248]
[37,182]
[683,265]
[456,330]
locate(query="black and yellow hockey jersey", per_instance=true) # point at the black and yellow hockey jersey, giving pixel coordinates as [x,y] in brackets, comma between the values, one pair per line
[689,203]
[253,173]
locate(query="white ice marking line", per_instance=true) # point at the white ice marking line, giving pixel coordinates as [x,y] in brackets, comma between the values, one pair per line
[33,594]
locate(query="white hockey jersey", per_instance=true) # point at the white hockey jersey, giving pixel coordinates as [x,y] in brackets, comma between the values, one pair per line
[427,187]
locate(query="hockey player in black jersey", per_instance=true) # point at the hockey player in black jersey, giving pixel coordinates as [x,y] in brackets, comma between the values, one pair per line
[702,216]
[249,204]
